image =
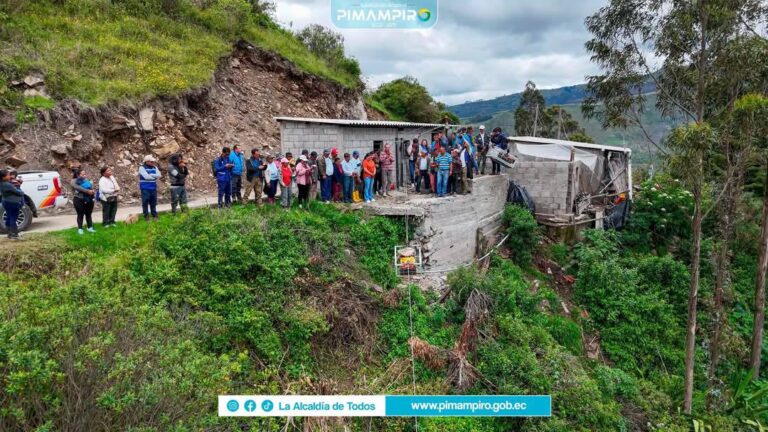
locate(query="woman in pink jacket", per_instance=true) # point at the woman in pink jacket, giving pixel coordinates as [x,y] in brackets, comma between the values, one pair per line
[303,180]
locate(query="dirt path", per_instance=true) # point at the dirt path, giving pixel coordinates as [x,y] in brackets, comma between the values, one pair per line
[66,221]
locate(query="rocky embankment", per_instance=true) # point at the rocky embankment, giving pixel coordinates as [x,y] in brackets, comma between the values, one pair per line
[250,88]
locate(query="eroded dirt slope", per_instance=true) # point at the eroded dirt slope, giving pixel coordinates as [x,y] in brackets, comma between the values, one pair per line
[250,88]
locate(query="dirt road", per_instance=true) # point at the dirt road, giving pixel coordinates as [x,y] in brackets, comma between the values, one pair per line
[62,222]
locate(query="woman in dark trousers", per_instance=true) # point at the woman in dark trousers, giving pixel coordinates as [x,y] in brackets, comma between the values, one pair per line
[108,189]
[13,201]
[83,199]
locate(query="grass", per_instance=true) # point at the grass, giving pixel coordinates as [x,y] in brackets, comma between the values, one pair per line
[381,108]
[98,52]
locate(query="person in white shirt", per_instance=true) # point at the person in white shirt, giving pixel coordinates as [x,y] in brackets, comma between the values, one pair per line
[466,168]
[108,189]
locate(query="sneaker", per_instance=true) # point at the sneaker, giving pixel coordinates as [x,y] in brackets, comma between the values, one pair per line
[373,199]
[80,231]
[91,230]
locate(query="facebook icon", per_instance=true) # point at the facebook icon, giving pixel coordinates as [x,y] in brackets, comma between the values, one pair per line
[250,405]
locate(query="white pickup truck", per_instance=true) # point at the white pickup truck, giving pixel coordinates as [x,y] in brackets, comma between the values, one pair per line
[42,189]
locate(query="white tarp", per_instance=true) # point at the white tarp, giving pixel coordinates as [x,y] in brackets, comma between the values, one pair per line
[558,152]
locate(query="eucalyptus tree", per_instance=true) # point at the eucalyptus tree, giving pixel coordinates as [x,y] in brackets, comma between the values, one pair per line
[675,48]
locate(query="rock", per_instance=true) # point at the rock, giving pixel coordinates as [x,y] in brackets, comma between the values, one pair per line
[165,148]
[7,138]
[160,117]
[147,119]
[234,62]
[62,149]
[77,138]
[15,161]
[35,92]
[33,80]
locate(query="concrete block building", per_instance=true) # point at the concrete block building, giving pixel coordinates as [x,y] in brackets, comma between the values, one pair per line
[347,136]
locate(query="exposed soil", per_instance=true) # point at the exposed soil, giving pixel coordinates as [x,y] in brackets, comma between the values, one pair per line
[250,88]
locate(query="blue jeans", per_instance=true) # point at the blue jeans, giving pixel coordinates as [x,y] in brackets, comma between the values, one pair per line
[347,185]
[149,202]
[225,193]
[325,188]
[412,170]
[442,182]
[368,191]
[12,211]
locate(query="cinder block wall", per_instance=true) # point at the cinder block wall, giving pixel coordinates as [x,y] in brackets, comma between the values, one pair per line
[294,137]
[546,182]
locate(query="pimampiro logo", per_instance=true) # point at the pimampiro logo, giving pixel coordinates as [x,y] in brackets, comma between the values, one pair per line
[384,14]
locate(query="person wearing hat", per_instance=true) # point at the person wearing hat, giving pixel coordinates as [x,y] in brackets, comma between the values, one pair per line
[286,182]
[325,171]
[254,173]
[498,140]
[272,178]
[149,174]
[223,168]
[483,144]
[303,180]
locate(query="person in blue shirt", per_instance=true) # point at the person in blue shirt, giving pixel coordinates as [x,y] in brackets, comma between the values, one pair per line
[236,173]
[443,161]
[148,176]
[222,166]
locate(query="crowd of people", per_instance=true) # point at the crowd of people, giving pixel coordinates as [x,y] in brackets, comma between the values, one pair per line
[443,165]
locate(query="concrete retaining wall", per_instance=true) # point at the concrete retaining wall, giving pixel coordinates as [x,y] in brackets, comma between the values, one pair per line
[453,226]
[546,182]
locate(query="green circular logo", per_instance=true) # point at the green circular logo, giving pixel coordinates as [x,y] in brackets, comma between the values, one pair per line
[424,14]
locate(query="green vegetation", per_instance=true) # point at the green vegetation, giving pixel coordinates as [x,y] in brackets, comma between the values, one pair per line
[406,99]
[523,232]
[140,327]
[101,51]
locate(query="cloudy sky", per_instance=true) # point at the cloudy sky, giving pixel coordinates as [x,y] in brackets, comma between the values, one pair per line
[478,49]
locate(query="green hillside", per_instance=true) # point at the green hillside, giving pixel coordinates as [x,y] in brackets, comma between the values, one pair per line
[102,51]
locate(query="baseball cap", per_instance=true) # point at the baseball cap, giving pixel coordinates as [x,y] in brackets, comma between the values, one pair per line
[149,158]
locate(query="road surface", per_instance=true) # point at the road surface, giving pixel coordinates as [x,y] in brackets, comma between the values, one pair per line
[62,222]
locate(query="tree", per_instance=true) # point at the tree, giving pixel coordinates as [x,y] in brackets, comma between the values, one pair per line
[533,118]
[688,38]
[751,125]
[323,42]
[407,99]
[529,113]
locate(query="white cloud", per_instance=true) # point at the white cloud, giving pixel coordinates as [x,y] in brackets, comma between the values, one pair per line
[477,50]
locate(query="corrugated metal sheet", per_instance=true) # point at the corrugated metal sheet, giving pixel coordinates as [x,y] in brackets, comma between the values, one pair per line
[366,123]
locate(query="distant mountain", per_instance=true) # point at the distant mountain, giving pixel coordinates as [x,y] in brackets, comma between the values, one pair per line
[477,111]
[500,112]
[657,127]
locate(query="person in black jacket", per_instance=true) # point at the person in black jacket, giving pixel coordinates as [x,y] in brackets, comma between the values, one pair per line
[254,176]
[13,201]
[177,173]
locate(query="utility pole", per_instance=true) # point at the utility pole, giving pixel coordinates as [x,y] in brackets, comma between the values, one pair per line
[536,120]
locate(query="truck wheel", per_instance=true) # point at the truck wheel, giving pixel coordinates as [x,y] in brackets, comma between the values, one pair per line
[23,221]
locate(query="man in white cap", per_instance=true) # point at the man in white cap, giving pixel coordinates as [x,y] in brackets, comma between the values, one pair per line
[483,143]
[148,176]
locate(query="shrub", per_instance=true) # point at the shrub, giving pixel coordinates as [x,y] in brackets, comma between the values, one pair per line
[523,233]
